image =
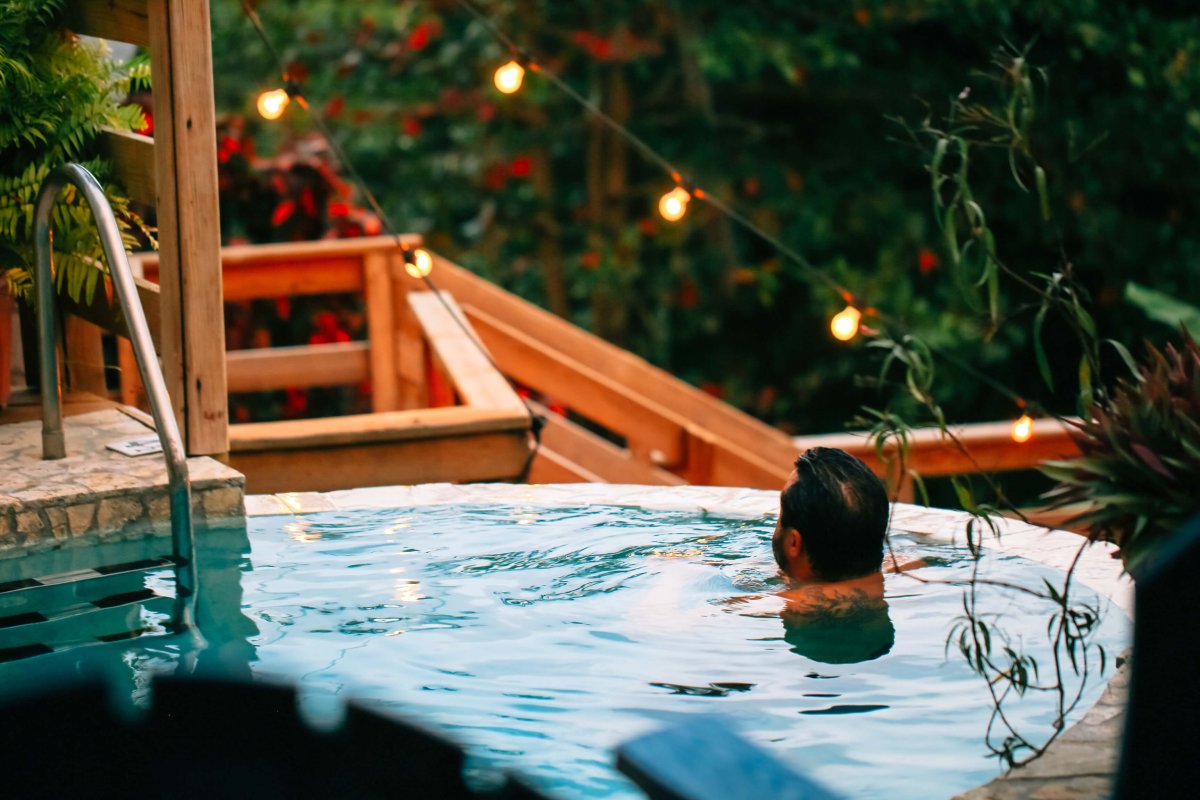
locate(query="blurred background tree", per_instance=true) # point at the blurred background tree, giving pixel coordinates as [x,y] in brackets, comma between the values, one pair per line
[798,115]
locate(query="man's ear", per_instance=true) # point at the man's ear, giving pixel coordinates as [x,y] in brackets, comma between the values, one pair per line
[793,544]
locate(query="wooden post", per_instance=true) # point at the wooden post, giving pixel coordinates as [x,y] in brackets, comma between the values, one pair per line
[185,151]
[84,356]
[385,389]
[410,351]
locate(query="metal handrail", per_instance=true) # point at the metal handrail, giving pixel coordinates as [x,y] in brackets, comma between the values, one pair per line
[53,444]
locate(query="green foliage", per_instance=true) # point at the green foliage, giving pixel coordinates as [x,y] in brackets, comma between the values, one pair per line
[1162,307]
[1140,455]
[56,94]
[785,110]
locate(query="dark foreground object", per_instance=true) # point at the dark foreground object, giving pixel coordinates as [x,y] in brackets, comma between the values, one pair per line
[1162,731]
[702,759]
[213,738]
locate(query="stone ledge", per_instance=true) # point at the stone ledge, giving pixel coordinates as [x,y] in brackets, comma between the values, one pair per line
[96,493]
[1080,765]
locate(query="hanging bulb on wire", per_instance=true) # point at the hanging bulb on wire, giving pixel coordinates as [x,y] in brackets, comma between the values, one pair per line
[673,205]
[1022,429]
[845,324]
[272,103]
[418,263]
[509,77]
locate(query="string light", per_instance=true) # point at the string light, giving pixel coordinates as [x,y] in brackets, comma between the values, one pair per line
[1022,429]
[509,77]
[418,263]
[845,324]
[673,205]
[272,103]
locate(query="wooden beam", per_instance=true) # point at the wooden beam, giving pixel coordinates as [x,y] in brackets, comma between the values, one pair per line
[270,368]
[193,340]
[410,348]
[989,445]
[391,426]
[652,431]
[292,252]
[550,467]
[575,444]
[618,365]
[84,361]
[132,156]
[119,20]
[105,311]
[479,456]
[461,354]
[381,332]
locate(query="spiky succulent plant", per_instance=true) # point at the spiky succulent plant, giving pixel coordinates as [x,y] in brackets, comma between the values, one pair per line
[1140,455]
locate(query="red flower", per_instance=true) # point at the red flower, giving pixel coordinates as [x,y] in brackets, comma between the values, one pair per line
[486,112]
[334,107]
[927,261]
[421,34]
[148,128]
[339,209]
[590,259]
[411,127]
[520,167]
[282,212]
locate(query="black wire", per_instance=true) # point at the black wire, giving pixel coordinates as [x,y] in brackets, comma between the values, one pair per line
[536,421]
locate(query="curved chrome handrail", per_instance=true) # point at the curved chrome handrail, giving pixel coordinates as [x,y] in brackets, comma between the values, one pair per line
[53,443]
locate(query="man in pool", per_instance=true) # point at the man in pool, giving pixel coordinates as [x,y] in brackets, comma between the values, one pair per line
[829,543]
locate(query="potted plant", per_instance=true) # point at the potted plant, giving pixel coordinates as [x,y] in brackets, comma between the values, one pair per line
[57,92]
[1140,455]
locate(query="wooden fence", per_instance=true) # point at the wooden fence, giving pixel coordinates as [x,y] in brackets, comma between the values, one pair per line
[627,421]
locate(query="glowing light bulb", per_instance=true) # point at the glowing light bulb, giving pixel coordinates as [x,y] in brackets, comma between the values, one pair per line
[509,76]
[420,265]
[272,103]
[673,205]
[1022,429]
[844,324]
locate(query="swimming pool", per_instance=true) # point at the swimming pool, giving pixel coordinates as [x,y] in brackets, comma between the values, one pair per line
[541,627]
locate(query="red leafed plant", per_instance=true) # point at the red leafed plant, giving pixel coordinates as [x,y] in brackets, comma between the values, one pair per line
[1140,459]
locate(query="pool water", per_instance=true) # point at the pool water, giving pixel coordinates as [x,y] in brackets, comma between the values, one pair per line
[541,637]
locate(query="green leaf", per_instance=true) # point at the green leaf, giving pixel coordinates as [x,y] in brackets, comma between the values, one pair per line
[1163,308]
[1123,352]
[1043,195]
[1086,395]
[1039,349]
[949,227]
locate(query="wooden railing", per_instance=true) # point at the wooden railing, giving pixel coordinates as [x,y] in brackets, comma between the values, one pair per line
[656,429]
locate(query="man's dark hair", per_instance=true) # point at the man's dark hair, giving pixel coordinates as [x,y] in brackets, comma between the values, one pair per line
[841,511]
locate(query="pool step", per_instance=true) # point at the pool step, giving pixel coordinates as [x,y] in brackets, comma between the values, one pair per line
[66,609]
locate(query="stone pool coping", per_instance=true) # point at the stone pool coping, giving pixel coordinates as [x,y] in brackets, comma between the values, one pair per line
[96,493]
[1077,766]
